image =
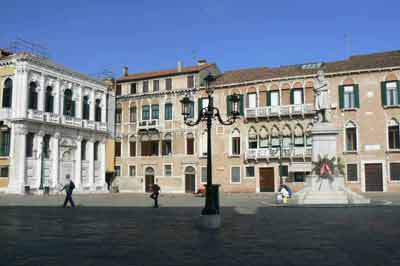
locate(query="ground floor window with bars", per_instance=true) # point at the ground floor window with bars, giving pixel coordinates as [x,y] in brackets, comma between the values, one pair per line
[352,172]
[4,171]
[395,171]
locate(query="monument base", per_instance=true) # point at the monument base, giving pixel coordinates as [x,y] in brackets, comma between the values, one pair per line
[323,191]
[210,221]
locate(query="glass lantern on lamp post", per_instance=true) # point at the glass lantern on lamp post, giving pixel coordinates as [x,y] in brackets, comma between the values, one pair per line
[208,114]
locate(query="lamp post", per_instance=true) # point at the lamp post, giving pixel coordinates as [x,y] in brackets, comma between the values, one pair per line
[207,114]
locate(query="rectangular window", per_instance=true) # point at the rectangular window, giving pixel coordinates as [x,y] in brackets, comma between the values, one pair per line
[395,171]
[4,171]
[149,148]
[155,111]
[168,111]
[251,100]
[394,137]
[349,98]
[83,150]
[5,138]
[190,146]
[236,146]
[133,88]
[132,170]
[46,146]
[264,142]
[132,114]
[168,84]
[132,148]
[352,172]
[299,176]
[29,144]
[298,141]
[253,143]
[391,93]
[351,139]
[166,147]
[274,98]
[275,142]
[118,115]
[145,86]
[156,85]
[203,175]
[250,171]
[118,90]
[146,112]
[167,170]
[117,170]
[297,96]
[235,174]
[309,140]
[286,142]
[190,81]
[117,149]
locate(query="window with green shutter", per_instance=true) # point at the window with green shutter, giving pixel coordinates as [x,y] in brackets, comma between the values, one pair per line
[383,93]
[200,105]
[228,105]
[341,97]
[241,104]
[390,93]
[356,96]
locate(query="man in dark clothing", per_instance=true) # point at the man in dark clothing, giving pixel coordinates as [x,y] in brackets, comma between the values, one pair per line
[154,195]
[69,188]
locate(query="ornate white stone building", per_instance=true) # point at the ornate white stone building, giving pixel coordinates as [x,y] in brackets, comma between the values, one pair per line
[57,125]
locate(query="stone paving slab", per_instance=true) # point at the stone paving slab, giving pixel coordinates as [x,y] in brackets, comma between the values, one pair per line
[169,236]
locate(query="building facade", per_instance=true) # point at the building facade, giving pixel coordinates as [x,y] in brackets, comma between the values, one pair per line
[54,123]
[277,116]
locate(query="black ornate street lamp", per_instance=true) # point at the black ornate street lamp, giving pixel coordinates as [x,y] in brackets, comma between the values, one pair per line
[208,114]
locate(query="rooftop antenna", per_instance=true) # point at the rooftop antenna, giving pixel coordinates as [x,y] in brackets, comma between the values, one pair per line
[21,45]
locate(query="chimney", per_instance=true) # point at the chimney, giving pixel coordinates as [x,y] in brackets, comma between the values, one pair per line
[179,66]
[125,71]
[201,62]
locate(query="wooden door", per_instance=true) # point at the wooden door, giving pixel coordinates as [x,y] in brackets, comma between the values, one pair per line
[267,180]
[149,179]
[190,183]
[373,177]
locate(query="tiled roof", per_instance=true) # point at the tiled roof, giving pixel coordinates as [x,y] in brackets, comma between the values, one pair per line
[358,62]
[163,73]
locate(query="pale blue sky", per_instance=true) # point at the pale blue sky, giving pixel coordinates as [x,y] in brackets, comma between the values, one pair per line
[90,36]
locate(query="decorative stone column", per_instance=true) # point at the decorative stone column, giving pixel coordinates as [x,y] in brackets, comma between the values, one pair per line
[56,95]
[78,163]
[38,157]
[92,102]
[78,103]
[55,152]
[20,100]
[17,159]
[90,157]
[41,93]
[103,162]
[104,108]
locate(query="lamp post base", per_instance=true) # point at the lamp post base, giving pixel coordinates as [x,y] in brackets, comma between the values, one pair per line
[212,200]
[210,221]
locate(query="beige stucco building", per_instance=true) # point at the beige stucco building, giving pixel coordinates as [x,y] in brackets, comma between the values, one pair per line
[277,116]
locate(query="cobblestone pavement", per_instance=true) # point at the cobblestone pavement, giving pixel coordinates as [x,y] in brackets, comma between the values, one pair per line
[169,236]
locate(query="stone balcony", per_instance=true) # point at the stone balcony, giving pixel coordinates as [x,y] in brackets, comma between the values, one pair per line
[274,153]
[35,115]
[5,113]
[279,111]
[71,121]
[149,124]
[88,124]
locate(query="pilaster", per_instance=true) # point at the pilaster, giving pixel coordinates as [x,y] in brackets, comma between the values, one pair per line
[78,162]
[90,157]
[55,159]
[17,179]
[38,157]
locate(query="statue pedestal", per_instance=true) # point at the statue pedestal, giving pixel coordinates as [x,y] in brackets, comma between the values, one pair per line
[325,191]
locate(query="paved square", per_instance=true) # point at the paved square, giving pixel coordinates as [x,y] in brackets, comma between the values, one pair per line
[169,236]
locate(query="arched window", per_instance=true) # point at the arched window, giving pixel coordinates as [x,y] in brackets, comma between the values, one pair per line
[298,136]
[287,137]
[351,137]
[85,108]
[308,135]
[33,96]
[393,134]
[7,93]
[166,144]
[275,137]
[5,138]
[49,102]
[96,151]
[263,138]
[97,111]
[235,146]
[69,104]
[252,138]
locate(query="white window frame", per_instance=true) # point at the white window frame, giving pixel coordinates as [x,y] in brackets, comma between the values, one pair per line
[388,124]
[352,100]
[358,173]
[194,144]
[230,143]
[390,174]
[344,137]
[120,170]
[300,97]
[129,170]
[200,175]
[249,101]
[395,92]
[277,93]
[230,175]
[164,169]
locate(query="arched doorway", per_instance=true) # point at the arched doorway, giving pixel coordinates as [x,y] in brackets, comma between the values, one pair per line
[190,179]
[149,178]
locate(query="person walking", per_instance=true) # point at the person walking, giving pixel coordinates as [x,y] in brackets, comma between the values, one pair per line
[154,195]
[69,188]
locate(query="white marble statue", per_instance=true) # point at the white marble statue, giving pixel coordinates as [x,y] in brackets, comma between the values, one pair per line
[321,92]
